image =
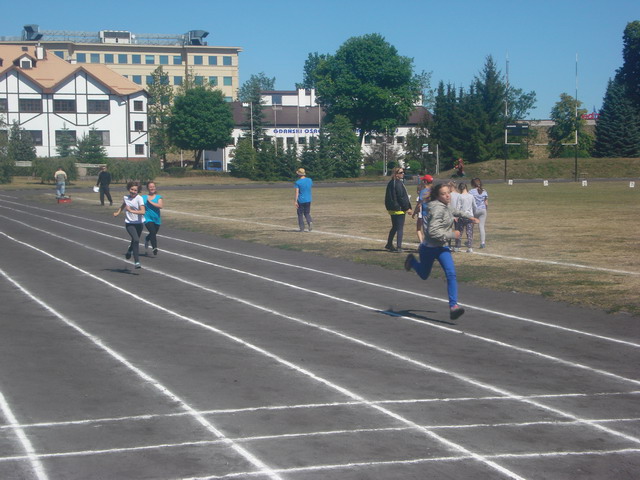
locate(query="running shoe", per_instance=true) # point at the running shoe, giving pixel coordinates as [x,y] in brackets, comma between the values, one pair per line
[310,226]
[456,312]
[137,265]
[127,255]
[407,262]
[155,251]
[469,250]
[482,245]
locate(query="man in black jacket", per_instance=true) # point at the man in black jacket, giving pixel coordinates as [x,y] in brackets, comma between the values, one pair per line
[396,201]
[104,180]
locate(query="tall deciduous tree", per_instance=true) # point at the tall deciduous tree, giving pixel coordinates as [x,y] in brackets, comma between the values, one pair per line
[368,82]
[200,120]
[250,92]
[344,147]
[567,117]
[159,106]
[309,70]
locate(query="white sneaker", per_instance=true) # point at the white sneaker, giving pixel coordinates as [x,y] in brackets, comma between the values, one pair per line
[469,250]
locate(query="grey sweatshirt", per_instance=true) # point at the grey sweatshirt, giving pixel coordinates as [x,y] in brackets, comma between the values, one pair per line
[438,226]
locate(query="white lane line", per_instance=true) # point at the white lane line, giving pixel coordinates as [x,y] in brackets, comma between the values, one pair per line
[384,350]
[346,392]
[310,406]
[32,456]
[343,277]
[376,240]
[421,461]
[146,377]
[348,302]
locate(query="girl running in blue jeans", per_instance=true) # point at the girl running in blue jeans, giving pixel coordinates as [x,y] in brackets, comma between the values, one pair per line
[438,230]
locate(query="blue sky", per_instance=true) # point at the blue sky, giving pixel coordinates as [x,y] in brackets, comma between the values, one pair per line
[450,38]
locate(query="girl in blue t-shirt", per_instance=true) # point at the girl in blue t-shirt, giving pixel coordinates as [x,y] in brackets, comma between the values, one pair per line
[152,219]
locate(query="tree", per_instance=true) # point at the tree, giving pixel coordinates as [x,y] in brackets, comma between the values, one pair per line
[66,144]
[369,83]
[567,117]
[244,160]
[159,106]
[629,73]
[618,125]
[200,120]
[6,164]
[20,147]
[90,149]
[251,92]
[309,70]
[344,147]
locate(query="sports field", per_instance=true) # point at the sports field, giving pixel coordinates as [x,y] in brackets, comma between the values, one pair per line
[223,358]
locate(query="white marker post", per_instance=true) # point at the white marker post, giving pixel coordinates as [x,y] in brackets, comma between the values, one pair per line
[545,183]
[632,184]
[510,182]
[584,183]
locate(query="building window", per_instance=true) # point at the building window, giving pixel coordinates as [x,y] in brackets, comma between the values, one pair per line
[137,59]
[177,59]
[213,60]
[198,80]
[226,60]
[149,79]
[399,140]
[123,58]
[302,140]
[25,63]
[197,59]
[213,81]
[276,99]
[36,137]
[60,134]
[177,80]
[149,59]
[291,141]
[104,135]
[164,59]
[137,79]
[64,106]
[30,105]
[59,53]
[98,106]
[228,99]
[138,106]
[95,58]
[81,57]
[108,58]
[4,105]
[139,149]
[227,81]
[138,126]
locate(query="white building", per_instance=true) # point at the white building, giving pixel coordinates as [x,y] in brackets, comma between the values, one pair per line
[292,118]
[50,97]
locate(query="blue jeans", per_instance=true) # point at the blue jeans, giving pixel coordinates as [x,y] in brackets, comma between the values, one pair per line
[423,268]
[304,212]
[60,189]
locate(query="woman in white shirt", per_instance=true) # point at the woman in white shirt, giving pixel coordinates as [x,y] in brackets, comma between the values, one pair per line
[133,206]
[465,204]
[481,198]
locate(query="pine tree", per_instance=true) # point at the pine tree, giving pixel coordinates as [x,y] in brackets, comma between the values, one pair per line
[618,125]
[66,144]
[20,147]
[244,160]
[90,149]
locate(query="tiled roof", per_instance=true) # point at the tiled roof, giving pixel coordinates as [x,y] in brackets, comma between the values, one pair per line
[49,72]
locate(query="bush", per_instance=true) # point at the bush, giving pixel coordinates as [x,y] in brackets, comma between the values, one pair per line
[45,168]
[7,169]
[126,170]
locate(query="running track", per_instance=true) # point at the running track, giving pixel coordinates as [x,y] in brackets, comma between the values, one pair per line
[223,359]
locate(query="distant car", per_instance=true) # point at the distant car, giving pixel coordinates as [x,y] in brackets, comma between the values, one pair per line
[214,165]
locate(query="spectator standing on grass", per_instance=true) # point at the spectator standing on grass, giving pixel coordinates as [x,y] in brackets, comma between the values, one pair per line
[153,203]
[133,206]
[302,200]
[61,180]
[396,201]
[104,181]
[438,231]
[459,166]
[481,198]
[424,189]
[465,203]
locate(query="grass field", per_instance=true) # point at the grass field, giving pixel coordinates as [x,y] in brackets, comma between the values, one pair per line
[529,227]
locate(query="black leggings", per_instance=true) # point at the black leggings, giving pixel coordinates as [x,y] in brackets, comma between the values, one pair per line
[397,226]
[153,228]
[134,230]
